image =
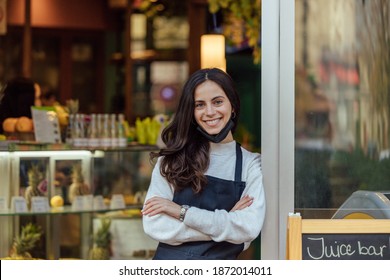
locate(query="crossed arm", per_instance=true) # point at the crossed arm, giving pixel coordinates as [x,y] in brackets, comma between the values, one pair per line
[158,205]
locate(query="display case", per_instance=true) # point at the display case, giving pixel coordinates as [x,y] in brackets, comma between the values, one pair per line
[68,192]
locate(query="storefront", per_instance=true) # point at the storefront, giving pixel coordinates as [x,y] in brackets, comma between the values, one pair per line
[324,110]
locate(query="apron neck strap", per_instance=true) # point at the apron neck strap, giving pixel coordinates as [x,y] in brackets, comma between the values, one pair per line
[238,171]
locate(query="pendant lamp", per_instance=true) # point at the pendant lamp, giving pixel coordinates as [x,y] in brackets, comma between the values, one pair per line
[212,51]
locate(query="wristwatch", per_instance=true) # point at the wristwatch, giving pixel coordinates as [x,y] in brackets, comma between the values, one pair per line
[183,212]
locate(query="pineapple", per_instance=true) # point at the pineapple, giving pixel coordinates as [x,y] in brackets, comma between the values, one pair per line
[35,179]
[101,240]
[78,187]
[26,241]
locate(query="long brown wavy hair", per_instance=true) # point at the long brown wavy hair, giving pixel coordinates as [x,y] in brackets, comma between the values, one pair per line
[186,156]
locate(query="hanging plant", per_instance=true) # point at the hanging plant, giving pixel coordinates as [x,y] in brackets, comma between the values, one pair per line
[242,18]
[237,14]
[167,8]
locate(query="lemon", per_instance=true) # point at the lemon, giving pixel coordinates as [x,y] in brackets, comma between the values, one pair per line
[57,201]
[133,212]
[3,137]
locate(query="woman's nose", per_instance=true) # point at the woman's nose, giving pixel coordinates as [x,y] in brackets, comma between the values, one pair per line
[210,109]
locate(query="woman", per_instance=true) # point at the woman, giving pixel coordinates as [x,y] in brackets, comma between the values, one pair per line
[206,197]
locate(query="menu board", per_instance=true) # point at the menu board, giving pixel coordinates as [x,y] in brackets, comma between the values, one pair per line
[46,125]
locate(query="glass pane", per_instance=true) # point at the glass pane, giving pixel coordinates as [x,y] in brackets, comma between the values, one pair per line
[84,57]
[342,107]
[46,62]
[10,56]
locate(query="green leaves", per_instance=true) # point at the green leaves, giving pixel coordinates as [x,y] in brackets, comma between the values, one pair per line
[248,13]
[102,237]
[27,239]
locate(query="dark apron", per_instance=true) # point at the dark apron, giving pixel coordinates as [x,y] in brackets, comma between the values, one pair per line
[218,194]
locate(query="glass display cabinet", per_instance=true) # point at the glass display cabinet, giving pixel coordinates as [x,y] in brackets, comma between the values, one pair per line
[67,192]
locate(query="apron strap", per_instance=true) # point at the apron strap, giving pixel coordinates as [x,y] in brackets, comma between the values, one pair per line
[238,171]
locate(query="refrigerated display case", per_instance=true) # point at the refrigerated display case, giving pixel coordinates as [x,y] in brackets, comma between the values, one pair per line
[68,229]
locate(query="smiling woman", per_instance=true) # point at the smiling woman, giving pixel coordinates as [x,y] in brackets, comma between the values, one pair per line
[206,197]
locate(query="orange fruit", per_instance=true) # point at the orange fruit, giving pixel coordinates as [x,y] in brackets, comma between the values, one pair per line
[9,124]
[24,124]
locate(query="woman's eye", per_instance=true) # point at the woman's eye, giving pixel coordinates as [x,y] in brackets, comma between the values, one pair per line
[218,102]
[198,105]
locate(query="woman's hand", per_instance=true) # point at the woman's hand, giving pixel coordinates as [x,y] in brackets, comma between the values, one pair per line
[157,205]
[244,202]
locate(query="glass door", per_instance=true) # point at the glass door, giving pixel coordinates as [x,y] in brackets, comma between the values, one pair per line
[342,108]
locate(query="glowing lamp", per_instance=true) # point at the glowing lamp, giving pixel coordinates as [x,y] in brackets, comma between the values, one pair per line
[212,51]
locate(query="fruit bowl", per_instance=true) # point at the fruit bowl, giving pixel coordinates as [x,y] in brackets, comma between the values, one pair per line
[22,136]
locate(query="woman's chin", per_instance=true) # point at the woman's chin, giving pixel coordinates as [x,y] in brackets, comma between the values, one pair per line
[212,131]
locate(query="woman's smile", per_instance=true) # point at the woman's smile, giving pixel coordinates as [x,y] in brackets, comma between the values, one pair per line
[213,123]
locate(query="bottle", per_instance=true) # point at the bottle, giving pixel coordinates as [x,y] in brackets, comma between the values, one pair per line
[105,134]
[77,142]
[93,140]
[99,128]
[121,131]
[83,125]
[113,131]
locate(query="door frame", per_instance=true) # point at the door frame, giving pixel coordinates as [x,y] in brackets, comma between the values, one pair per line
[277,122]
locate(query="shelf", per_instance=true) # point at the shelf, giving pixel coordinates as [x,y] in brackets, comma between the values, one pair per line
[13,146]
[67,210]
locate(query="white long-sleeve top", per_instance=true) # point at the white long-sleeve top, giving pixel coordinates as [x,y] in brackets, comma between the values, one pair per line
[241,226]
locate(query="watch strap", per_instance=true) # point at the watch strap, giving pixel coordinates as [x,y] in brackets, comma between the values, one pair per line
[183,212]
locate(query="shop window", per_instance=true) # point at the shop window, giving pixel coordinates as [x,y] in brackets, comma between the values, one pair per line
[342,103]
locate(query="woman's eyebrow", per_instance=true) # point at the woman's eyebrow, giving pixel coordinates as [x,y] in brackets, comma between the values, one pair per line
[216,97]
[219,96]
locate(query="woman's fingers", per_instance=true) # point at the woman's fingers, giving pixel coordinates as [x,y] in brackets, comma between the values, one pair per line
[158,205]
[244,202]
[153,206]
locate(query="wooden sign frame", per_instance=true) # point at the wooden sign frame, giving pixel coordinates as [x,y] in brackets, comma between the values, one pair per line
[297,227]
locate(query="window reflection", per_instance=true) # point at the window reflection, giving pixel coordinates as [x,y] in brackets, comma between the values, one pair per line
[342,102]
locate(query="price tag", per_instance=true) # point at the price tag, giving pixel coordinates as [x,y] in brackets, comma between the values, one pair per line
[88,202]
[117,202]
[3,204]
[19,204]
[40,204]
[78,203]
[98,203]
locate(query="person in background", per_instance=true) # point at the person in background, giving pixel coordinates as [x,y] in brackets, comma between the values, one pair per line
[49,98]
[206,197]
[17,97]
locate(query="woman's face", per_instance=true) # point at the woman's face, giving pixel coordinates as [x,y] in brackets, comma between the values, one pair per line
[212,108]
[37,100]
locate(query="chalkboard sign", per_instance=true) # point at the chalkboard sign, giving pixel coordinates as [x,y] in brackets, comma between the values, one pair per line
[341,239]
[346,246]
